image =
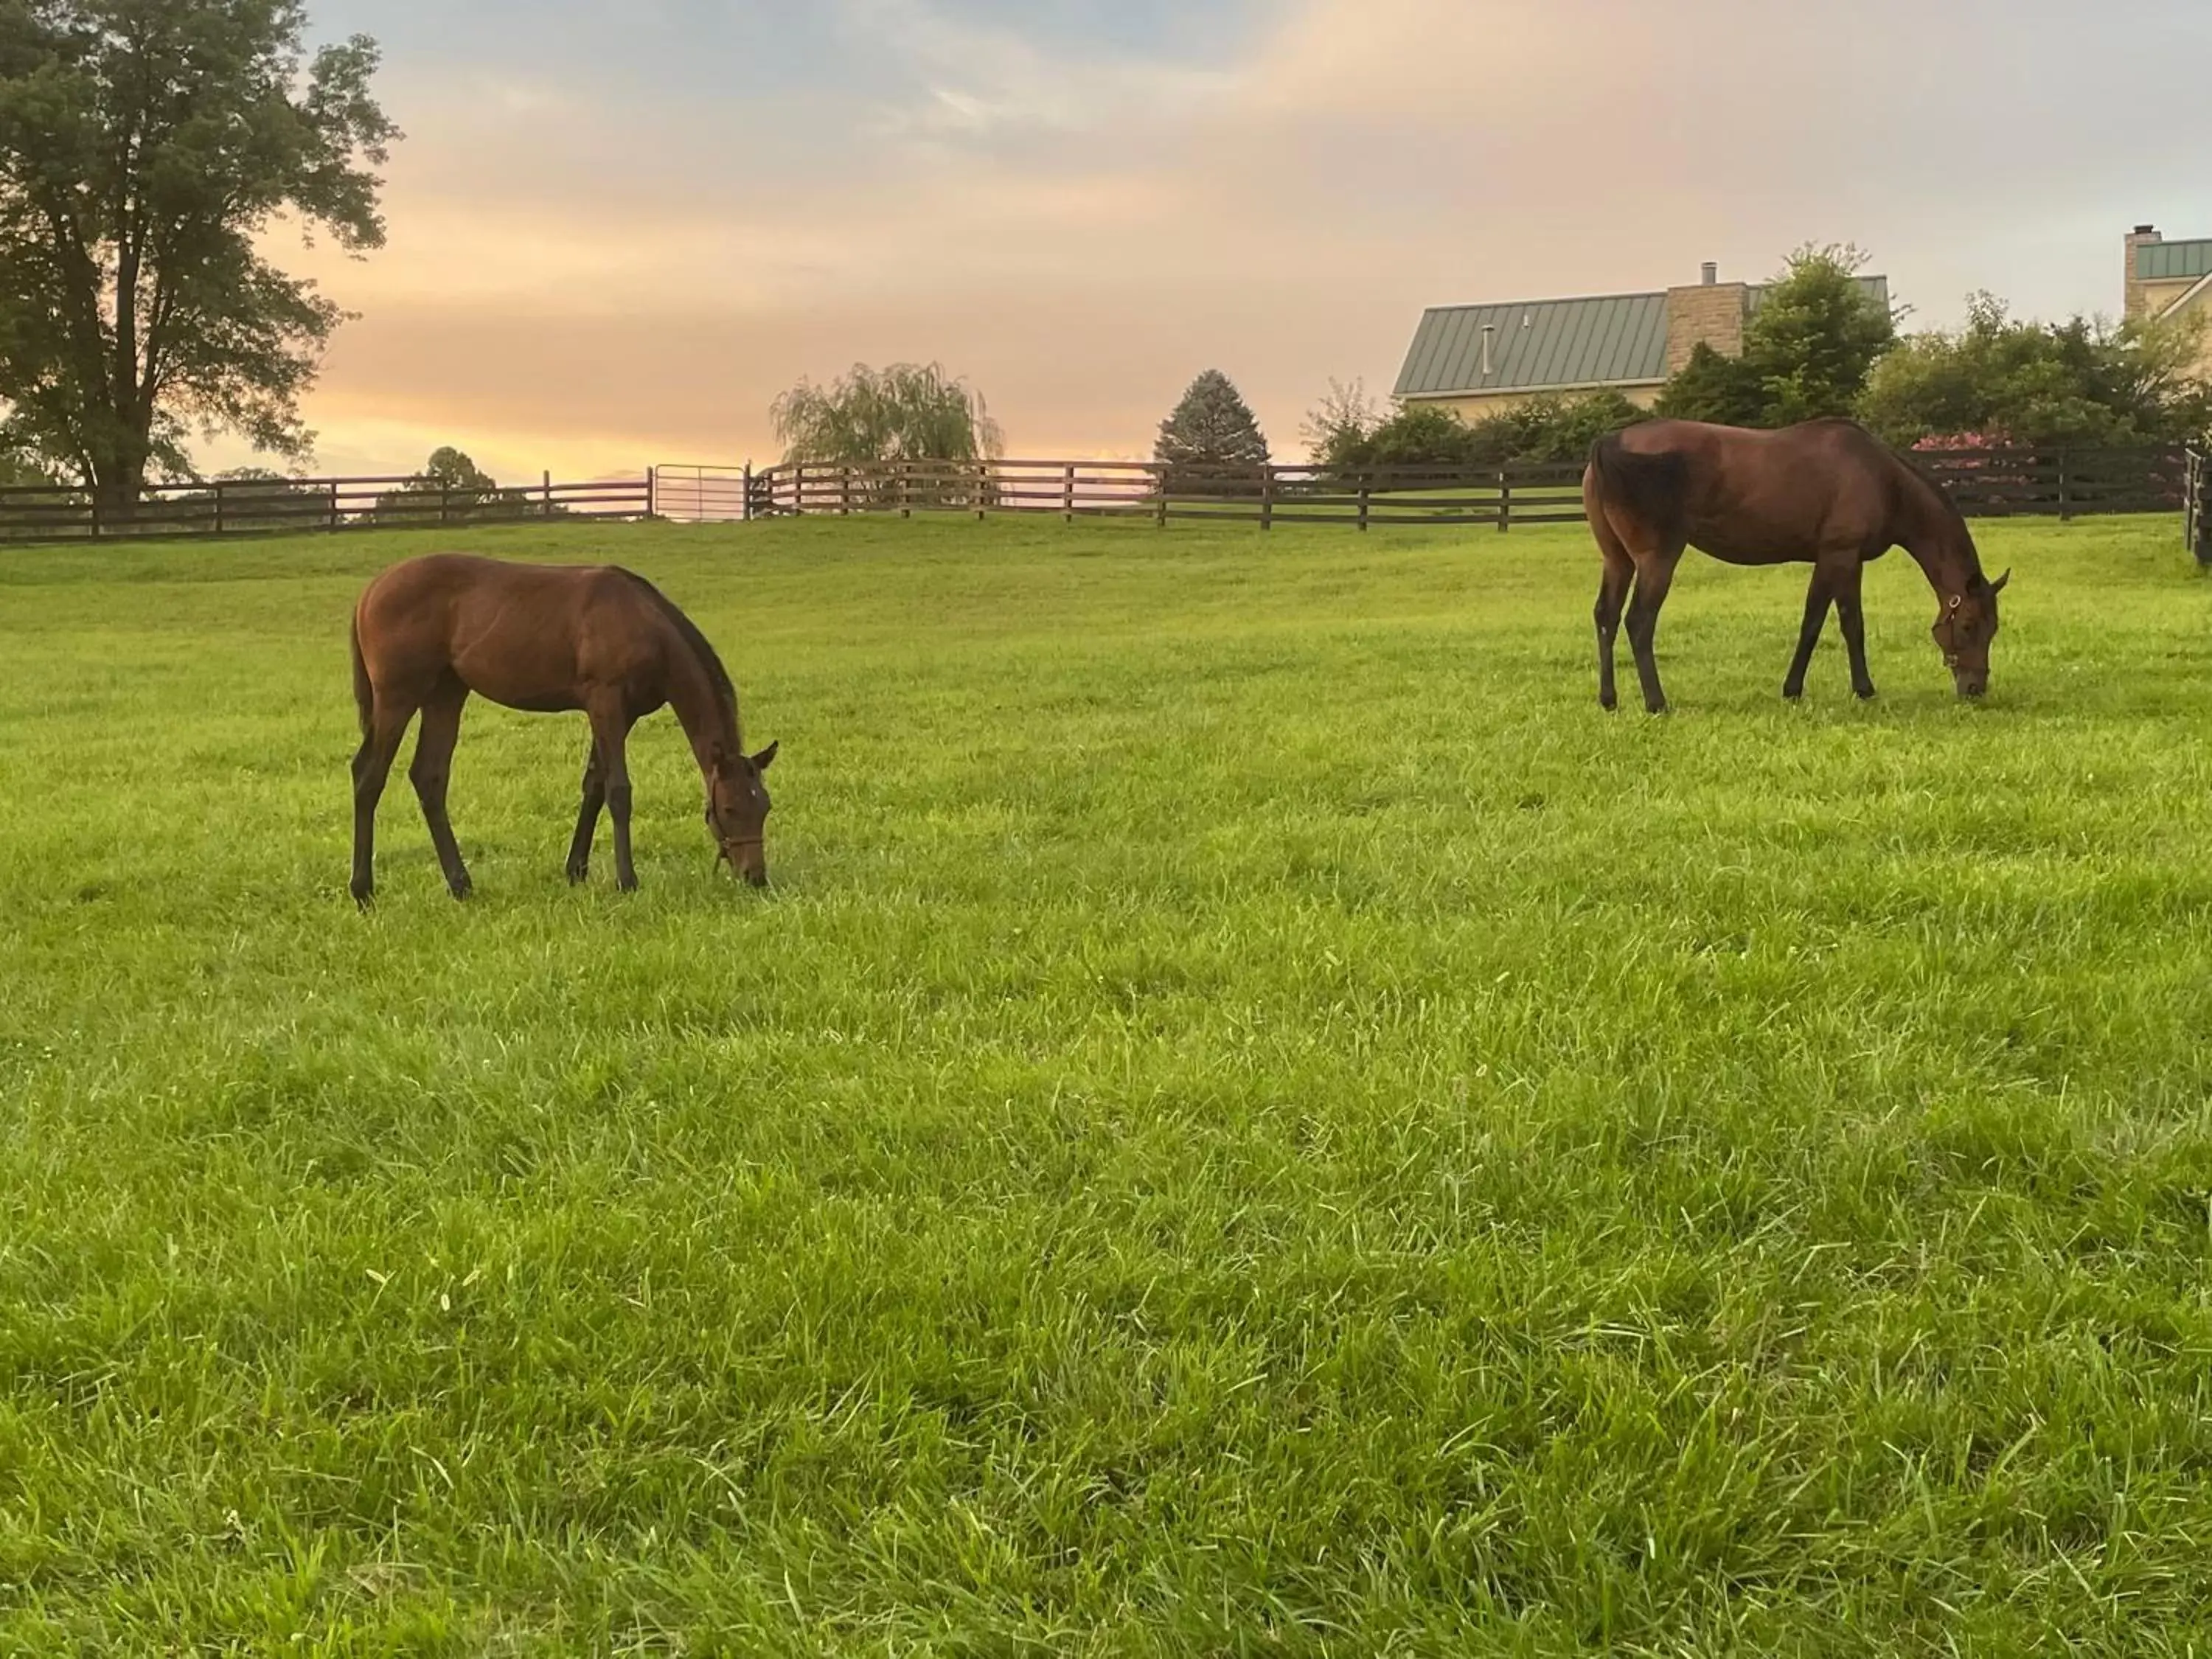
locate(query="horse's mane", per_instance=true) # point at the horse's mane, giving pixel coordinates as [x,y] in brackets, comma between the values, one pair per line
[1946,508]
[688,631]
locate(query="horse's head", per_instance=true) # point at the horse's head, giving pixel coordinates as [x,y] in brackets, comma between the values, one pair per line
[737,810]
[1964,629]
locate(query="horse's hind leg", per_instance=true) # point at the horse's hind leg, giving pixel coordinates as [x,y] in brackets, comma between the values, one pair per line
[433,771]
[1655,574]
[1817,601]
[1853,618]
[371,766]
[1612,594]
[587,816]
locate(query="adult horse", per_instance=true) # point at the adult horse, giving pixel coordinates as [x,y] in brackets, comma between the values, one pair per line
[542,638]
[1826,493]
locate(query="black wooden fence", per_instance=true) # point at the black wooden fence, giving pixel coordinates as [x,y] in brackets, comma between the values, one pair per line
[1989,482]
[1266,495]
[1985,483]
[248,505]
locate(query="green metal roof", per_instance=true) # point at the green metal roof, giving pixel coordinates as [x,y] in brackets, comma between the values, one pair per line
[1538,344]
[1550,345]
[2168,262]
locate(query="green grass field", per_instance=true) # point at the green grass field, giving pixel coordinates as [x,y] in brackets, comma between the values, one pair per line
[1256,1120]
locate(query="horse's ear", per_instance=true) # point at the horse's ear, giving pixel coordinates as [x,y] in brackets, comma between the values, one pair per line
[1998,585]
[766,758]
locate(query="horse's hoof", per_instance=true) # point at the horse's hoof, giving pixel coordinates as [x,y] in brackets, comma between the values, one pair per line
[578,874]
[1790,694]
[1609,704]
[1867,694]
[364,894]
[462,893]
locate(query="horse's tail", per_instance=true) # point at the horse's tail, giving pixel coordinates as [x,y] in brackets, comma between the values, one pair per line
[1650,487]
[364,693]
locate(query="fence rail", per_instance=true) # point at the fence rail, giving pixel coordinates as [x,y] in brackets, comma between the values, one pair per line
[1495,496]
[249,505]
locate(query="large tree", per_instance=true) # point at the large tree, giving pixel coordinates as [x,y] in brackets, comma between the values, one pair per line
[145,148]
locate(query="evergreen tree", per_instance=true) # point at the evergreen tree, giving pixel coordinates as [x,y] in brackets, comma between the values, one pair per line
[1211,434]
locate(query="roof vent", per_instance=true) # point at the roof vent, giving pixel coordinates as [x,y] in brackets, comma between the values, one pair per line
[1710,272]
[1489,333]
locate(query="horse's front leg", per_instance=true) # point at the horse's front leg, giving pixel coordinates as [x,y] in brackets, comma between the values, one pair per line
[611,736]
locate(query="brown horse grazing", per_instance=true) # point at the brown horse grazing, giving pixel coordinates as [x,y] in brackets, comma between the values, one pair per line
[543,638]
[1826,493]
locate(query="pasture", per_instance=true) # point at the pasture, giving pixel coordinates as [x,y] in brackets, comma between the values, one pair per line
[1255,1120]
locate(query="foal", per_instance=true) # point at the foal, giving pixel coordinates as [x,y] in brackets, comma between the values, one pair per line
[545,639]
[1826,493]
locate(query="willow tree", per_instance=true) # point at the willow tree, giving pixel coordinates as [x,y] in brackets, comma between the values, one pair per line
[907,412]
[146,149]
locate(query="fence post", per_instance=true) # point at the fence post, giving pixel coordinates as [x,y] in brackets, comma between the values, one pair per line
[982,489]
[652,491]
[335,518]
[1266,498]
[745,501]
[1160,478]
[1363,488]
[549,494]
[798,490]
[218,507]
[1068,494]
[2065,496]
[1504,501]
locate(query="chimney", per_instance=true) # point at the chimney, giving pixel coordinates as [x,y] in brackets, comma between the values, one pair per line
[1489,333]
[2138,301]
[1710,271]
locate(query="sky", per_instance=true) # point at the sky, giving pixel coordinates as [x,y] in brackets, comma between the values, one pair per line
[618,228]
